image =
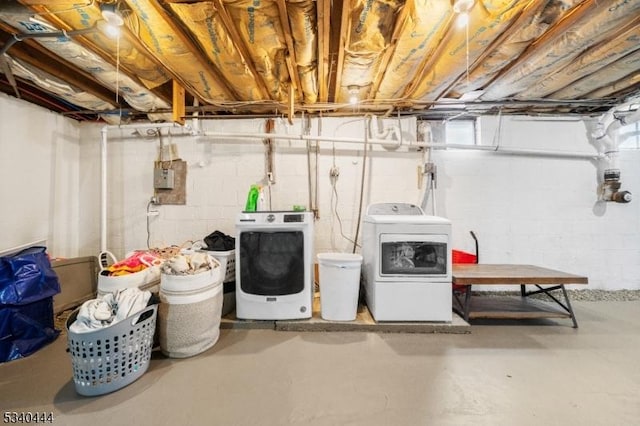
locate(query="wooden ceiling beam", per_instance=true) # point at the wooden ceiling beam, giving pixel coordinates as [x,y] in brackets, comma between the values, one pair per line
[229,25]
[291,56]
[529,10]
[558,30]
[340,32]
[323,15]
[401,22]
[429,60]
[195,50]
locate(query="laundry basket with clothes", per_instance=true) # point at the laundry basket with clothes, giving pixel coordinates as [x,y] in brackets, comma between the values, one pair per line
[190,304]
[140,269]
[110,340]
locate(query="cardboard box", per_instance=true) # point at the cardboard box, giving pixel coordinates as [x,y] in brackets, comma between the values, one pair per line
[78,279]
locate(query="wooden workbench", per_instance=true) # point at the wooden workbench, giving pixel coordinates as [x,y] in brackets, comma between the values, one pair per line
[545,280]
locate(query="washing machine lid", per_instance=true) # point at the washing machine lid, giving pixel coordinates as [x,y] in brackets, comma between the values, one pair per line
[401,213]
[404,209]
[407,219]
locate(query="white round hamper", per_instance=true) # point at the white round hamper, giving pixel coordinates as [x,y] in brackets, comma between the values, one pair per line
[189,313]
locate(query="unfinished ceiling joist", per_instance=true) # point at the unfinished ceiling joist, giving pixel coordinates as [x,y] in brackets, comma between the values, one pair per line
[247,57]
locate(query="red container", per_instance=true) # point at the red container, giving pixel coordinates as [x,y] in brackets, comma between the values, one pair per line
[462,257]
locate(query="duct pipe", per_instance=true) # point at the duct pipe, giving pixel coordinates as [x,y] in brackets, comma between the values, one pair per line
[54,34]
[381,132]
[606,134]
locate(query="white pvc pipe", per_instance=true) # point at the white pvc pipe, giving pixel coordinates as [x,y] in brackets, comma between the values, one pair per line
[103,189]
[103,169]
[142,126]
[516,151]
[500,150]
[305,138]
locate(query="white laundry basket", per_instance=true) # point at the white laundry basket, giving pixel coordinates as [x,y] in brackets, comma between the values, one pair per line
[111,358]
[227,261]
[190,312]
[339,285]
[146,279]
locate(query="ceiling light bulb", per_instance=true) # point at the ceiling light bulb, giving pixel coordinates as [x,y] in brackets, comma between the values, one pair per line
[462,20]
[353,94]
[107,29]
[111,15]
[112,31]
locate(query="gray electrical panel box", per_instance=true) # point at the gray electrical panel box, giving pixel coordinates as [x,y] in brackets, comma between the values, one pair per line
[163,178]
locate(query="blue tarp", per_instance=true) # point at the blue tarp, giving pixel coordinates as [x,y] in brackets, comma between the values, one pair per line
[27,286]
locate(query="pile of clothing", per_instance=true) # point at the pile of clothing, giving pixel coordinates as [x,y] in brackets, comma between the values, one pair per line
[135,262]
[109,309]
[189,263]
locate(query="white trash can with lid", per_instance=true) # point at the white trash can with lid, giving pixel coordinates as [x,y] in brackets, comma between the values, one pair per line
[339,285]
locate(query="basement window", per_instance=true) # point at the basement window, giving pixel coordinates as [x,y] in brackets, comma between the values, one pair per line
[629,136]
[458,132]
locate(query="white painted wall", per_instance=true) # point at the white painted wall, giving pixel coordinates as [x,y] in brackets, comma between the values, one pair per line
[39,172]
[523,209]
[543,211]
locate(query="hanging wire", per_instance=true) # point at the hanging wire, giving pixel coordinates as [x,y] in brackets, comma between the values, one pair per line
[118,76]
[148,223]
[466,26]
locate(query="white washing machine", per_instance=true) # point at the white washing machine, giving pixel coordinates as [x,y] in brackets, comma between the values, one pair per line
[274,268]
[406,263]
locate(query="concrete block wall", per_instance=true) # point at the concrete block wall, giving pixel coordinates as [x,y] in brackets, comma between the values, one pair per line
[543,211]
[524,209]
[39,171]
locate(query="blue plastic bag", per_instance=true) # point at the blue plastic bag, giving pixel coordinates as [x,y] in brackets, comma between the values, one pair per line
[25,329]
[27,277]
[27,285]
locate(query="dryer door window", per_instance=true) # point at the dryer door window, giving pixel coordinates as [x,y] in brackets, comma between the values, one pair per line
[413,255]
[271,263]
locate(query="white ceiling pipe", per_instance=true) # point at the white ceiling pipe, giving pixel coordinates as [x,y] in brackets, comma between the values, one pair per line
[144,126]
[299,138]
[499,150]
[515,151]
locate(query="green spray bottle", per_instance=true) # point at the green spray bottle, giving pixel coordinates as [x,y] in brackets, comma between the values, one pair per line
[252,199]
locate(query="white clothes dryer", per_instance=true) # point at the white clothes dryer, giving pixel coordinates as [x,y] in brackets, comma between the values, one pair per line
[406,263]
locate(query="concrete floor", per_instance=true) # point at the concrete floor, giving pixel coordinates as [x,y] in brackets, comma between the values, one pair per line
[534,372]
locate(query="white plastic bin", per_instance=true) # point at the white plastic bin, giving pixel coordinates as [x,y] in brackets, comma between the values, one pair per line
[339,285]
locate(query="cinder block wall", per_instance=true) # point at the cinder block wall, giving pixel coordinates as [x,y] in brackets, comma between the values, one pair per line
[523,209]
